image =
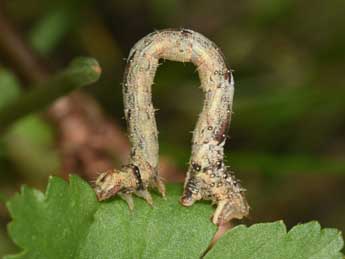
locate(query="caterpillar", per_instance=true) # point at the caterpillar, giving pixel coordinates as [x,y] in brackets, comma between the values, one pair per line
[207,177]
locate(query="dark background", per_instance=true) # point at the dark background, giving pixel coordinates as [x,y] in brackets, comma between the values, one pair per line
[287,141]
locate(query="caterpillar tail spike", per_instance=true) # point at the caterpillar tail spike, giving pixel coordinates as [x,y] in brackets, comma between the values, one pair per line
[233,207]
[207,177]
[221,187]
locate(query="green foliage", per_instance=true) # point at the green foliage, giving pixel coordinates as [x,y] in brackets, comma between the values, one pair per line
[30,139]
[68,222]
[9,90]
[270,240]
[9,87]
[80,72]
[50,30]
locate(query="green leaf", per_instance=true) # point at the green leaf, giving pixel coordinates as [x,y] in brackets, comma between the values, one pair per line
[28,140]
[50,30]
[9,87]
[270,240]
[68,222]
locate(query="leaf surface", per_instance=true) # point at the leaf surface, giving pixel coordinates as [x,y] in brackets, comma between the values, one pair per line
[68,222]
[270,240]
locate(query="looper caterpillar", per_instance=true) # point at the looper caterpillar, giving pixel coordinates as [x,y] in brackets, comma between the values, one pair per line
[207,177]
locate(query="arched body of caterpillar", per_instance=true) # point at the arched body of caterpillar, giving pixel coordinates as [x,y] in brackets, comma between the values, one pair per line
[207,177]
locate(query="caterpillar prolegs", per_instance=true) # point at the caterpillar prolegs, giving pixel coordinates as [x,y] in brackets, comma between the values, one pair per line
[207,176]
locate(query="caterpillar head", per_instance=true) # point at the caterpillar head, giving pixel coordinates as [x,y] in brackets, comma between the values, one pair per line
[108,184]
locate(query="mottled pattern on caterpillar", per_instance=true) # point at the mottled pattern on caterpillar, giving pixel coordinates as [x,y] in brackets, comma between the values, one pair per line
[207,177]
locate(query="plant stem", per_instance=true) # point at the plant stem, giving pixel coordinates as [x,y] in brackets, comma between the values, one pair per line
[80,72]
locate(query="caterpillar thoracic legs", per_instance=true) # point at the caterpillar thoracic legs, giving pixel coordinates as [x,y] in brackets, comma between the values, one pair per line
[207,177]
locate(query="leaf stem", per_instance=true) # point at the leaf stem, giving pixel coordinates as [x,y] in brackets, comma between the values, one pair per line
[80,72]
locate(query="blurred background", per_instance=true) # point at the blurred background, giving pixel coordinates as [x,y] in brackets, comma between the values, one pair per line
[287,140]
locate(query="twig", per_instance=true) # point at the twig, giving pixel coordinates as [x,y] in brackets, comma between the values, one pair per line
[80,72]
